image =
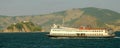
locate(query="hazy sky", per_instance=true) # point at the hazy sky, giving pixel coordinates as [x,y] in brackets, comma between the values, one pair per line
[36,7]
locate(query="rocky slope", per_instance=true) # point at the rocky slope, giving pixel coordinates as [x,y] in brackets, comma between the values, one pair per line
[24,26]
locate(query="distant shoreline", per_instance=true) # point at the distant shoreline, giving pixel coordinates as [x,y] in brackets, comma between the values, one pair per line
[24,32]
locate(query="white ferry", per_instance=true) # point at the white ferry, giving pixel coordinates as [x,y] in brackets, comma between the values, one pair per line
[60,31]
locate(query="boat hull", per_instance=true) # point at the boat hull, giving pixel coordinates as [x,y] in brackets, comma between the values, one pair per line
[82,36]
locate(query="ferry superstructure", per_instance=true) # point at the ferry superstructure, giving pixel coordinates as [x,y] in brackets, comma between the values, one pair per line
[61,31]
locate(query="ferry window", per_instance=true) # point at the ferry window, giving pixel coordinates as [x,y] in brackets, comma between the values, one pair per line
[97,30]
[101,34]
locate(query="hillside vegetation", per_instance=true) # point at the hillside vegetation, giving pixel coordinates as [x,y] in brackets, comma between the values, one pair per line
[90,16]
[24,26]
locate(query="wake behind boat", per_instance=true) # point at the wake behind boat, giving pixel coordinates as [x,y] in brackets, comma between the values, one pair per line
[61,31]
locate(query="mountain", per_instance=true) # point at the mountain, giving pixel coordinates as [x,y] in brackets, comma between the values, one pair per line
[76,17]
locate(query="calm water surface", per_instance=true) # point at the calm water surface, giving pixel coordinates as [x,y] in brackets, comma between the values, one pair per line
[40,40]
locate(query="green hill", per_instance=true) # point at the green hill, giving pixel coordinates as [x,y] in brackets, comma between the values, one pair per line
[24,26]
[103,15]
[94,17]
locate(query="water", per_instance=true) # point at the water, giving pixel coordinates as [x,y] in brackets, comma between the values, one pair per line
[40,40]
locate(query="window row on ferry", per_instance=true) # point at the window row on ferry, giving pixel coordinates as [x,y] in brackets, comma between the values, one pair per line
[66,34]
[90,31]
[94,34]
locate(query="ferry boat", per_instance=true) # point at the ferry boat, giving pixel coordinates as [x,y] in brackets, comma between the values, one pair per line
[61,31]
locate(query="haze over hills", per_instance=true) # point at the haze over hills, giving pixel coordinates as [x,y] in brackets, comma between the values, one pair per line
[90,16]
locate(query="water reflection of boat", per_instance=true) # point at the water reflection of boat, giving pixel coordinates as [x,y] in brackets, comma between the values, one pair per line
[60,31]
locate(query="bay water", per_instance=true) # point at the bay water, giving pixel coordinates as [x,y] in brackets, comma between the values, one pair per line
[41,40]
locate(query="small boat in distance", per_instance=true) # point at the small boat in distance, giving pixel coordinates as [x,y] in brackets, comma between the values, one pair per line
[61,31]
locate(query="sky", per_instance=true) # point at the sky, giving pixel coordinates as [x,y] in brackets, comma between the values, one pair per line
[38,7]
